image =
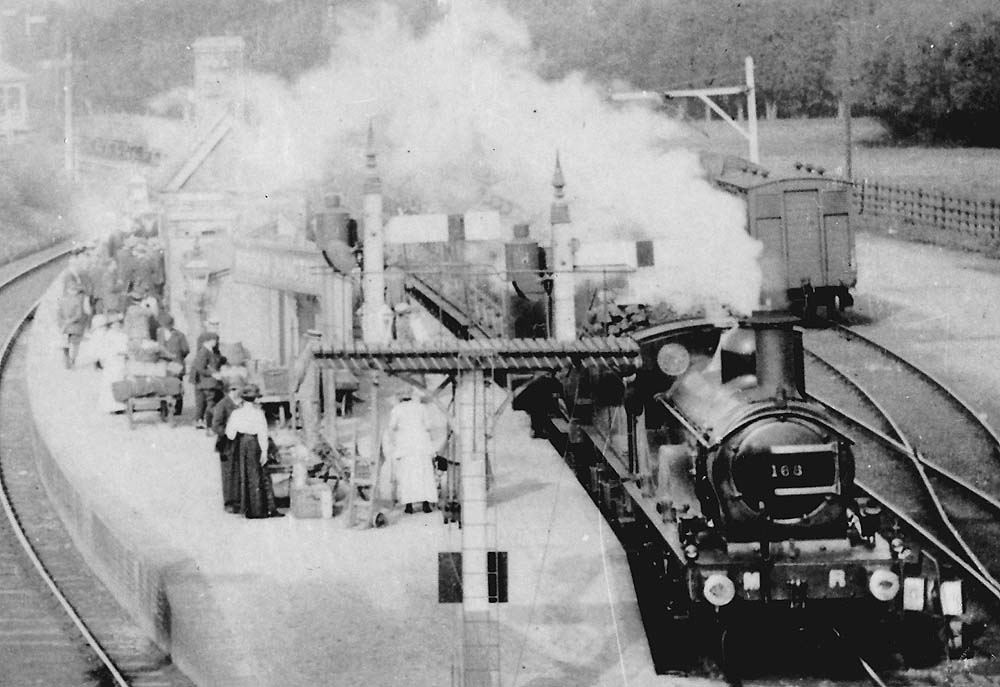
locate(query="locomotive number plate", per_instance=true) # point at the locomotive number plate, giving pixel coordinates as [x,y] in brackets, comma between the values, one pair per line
[803,469]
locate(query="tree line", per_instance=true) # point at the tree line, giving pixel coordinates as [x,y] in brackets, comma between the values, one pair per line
[928,70]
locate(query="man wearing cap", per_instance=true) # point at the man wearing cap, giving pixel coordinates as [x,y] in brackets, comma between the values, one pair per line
[247,429]
[207,379]
[211,330]
[174,349]
[227,461]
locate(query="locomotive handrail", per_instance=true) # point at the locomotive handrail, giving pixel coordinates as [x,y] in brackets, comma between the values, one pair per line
[662,399]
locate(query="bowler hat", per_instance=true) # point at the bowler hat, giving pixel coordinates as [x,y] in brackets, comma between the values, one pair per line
[250,392]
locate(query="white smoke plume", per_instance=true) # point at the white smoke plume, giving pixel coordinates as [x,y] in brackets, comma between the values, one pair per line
[462,121]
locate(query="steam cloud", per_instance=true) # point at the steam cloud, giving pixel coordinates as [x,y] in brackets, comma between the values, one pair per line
[462,122]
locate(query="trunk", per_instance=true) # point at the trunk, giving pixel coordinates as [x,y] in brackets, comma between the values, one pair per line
[770,110]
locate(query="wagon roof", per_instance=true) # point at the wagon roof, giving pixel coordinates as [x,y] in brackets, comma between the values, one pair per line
[741,175]
[745,183]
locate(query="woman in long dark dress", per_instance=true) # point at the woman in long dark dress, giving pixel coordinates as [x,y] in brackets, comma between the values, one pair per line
[247,433]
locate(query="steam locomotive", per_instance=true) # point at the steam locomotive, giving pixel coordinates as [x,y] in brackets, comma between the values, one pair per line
[733,494]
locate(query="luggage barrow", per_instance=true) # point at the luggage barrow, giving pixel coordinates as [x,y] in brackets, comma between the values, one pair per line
[164,405]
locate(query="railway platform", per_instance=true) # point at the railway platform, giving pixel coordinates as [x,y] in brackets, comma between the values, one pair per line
[309,601]
[304,602]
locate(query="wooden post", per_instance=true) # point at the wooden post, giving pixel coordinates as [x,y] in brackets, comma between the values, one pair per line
[752,112]
[848,145]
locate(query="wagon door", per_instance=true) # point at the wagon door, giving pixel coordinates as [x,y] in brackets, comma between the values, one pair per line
[806,249]
[839,241]
[767,228]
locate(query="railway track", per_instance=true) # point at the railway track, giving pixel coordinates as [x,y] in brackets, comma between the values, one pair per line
[934,459]
[904,444]
[58,624]
[932,418]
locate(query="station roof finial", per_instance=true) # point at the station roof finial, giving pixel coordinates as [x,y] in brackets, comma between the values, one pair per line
[370,146]
[557,178]
[559,212]
[372,182]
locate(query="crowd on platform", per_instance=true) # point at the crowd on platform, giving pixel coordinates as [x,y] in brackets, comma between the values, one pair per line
[111,315]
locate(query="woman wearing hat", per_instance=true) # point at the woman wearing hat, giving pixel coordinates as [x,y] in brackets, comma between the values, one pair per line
[247,432]
[224,447]
[410,445]
[107,345]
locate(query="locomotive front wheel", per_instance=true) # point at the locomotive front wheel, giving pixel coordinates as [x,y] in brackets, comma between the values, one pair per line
[739,652]
[923,641]
[956,645]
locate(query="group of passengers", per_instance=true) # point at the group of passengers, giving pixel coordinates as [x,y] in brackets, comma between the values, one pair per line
[110,315]
[112,294]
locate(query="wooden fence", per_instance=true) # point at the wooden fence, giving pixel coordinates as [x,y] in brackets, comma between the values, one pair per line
[967,219]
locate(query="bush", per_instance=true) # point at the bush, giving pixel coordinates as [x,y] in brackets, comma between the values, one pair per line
[34,199]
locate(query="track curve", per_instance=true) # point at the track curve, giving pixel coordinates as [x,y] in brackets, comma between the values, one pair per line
[58,624]
[953,455]
[946,432]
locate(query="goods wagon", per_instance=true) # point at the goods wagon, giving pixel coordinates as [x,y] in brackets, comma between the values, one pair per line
[804,224]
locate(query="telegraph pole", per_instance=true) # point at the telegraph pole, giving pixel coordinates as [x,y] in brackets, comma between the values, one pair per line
[752,112]
[69,161]
[848,165]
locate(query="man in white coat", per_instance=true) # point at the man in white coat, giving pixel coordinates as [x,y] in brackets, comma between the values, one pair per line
[412,449]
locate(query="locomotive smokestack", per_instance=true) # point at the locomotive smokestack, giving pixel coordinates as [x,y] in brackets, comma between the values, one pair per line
[780,371]
[779,361]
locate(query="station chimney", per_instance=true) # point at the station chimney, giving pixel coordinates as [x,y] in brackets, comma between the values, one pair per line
[373,328]
[563,288]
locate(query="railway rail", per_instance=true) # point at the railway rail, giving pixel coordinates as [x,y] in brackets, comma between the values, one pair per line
[945,457]
[945,431]
[905,425]
[59,625]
